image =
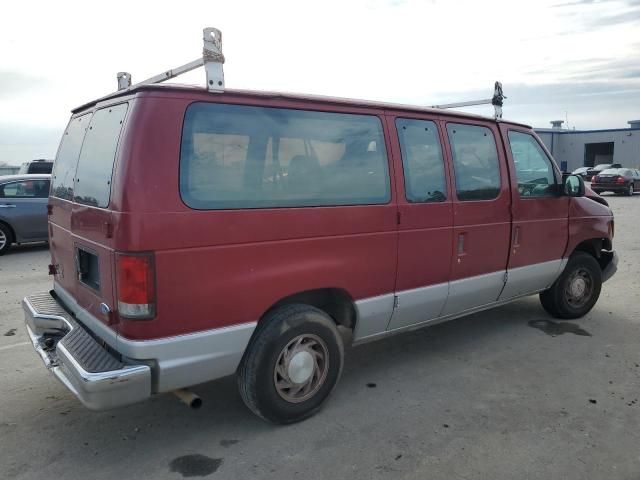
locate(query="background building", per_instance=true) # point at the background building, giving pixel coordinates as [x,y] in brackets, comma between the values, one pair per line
[586,148]
[8,170]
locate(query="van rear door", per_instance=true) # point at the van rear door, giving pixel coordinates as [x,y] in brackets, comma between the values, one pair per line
[81,221]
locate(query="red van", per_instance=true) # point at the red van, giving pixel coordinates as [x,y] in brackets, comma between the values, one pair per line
[196,235]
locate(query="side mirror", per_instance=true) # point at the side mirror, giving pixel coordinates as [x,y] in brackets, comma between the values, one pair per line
[573,186]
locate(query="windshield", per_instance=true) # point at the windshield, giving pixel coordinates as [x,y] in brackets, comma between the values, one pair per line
[612,171]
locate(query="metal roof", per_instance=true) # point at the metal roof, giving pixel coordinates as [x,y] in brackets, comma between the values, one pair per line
[290,96]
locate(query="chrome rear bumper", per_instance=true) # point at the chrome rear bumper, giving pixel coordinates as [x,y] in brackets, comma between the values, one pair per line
[97,377]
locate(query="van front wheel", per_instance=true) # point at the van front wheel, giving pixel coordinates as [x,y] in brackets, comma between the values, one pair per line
[291,365]
[576,290]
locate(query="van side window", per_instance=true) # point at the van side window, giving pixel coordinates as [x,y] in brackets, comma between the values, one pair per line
[422,161]
[64,168]
[534,171]
[95,166]
[475,161]
[236,156]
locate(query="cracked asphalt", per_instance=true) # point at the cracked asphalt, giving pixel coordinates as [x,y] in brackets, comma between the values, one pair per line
[503,394]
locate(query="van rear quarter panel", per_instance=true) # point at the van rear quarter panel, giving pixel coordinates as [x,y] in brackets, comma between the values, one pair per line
[219,268]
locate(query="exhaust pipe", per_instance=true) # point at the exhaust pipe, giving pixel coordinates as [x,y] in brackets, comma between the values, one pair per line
[188,397]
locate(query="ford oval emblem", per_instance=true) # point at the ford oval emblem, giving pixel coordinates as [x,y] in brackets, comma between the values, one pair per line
[104,308]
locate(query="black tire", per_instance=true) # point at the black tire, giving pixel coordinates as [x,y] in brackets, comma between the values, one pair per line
[257,372]
[597,191]
[7,235]
[558,299]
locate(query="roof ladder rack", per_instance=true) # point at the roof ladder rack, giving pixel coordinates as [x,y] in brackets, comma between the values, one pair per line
[212,59]
[496,101]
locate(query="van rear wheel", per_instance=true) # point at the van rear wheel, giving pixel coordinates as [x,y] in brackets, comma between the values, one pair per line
[576,290]
[292,364]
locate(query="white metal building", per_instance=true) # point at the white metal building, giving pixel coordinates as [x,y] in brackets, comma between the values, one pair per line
[586,148]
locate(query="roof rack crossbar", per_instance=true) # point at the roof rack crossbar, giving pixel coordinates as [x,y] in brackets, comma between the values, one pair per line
[212,59]
[497,101]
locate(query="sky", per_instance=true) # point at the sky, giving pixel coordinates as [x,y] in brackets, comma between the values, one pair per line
[575,60]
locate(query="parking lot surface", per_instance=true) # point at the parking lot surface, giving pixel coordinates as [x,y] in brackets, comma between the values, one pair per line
[504,394]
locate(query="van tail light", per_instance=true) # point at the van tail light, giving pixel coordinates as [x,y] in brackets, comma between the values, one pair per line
[136,285]
[620,180]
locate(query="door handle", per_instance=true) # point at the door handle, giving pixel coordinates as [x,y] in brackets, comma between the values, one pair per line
[7,205]
[461,243]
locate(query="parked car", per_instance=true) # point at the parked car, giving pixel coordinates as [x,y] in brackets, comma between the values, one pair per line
[600,168]
[197,235]
[36,166]
[23,209]
[582,171]
[617,180]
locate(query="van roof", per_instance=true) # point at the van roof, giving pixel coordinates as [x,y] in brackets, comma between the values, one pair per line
[167,87]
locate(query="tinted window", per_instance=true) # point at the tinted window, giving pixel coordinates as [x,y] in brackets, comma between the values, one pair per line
[475,161]
[95,166]
[252,157]
[422,161]
[534,171]
[67,159]
[40,167]
[25,189]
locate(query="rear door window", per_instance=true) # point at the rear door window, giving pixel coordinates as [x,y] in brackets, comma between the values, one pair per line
[95,167]
[237,156]
[475,161]
[534,171]
[64,168]
[422,161]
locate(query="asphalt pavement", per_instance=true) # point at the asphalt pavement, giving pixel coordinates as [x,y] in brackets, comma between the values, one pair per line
[505,394]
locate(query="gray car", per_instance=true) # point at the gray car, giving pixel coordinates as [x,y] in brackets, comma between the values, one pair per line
[23,209]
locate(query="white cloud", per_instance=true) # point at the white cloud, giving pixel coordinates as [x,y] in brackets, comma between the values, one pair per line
[421,52]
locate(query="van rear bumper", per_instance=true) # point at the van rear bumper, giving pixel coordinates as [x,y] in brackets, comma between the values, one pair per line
[100,379]
[106,370]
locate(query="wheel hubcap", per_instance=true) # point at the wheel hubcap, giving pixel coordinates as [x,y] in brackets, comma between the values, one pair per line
[3,239]
[302,368]
[579,288]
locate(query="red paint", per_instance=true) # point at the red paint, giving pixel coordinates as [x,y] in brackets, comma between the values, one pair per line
[540,224]
[220,268]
